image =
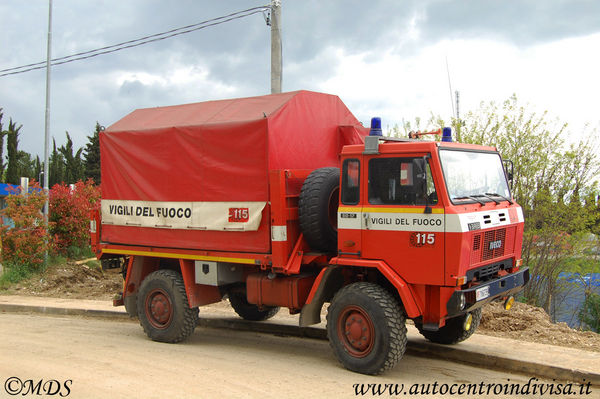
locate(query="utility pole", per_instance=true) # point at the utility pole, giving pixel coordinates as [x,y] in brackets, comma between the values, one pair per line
[47,122]
[276,63]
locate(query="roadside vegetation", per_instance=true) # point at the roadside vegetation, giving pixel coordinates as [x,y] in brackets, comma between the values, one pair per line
[74,175]
[27,242]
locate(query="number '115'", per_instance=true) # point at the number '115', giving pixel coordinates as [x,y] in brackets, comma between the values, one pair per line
[425,238]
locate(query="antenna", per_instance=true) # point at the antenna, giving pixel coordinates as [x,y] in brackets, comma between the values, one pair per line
[450,87]
[458,121]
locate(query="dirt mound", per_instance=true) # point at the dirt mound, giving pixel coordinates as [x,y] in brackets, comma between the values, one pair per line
[72,280]
[529,323]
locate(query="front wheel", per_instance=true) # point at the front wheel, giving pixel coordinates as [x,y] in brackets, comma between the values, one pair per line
[454,330]
[366,328]
[163,308]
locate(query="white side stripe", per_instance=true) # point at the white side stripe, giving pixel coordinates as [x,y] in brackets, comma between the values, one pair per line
[220,216]
[390,221]
[451,223]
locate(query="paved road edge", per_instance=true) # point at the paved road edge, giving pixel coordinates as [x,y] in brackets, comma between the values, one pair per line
[420,348]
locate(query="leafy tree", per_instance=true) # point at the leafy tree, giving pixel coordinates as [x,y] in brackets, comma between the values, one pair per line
[589,314]
[56,166]
[73,164]
[2,134]
[28,166]
[92,155]
[38,167]
[592,206]
[12,144]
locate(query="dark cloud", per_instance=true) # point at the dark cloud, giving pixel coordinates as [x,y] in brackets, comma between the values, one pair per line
[233,59]
[523,23]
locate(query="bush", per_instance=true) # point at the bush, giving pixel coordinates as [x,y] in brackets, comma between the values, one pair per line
[589,314]
[24,245]
[69,214]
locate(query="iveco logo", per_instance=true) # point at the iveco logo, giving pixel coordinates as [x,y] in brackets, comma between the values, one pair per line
[495,244]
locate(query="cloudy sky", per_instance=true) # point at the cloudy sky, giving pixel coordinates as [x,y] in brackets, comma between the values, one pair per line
[383,58]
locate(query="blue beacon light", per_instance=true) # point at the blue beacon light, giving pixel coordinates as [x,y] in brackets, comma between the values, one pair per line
[375,127]
[447,134]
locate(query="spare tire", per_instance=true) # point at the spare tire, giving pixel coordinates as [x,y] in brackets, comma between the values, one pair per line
[317,209]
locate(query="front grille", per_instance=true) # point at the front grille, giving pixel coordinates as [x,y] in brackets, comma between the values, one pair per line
[477,242]
[492,244]
[491,237]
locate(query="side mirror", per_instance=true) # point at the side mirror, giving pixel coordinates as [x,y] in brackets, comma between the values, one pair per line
[509,168]
[420,168]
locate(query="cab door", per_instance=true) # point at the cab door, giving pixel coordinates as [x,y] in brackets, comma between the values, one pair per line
[350,209]
[402,219]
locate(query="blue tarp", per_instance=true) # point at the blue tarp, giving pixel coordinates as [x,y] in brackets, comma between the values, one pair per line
[590,279]
[4,189]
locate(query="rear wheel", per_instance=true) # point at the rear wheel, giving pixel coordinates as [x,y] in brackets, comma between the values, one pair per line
[248,311]
[163,308]
[454,330]
[366,328]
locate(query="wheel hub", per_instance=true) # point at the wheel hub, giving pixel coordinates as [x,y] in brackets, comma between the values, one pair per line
[159,309]
[357,331]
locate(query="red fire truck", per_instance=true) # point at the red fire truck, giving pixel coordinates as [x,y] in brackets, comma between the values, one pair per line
[287,201]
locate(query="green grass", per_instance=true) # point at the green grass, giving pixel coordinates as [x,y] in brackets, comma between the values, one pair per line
[13,274]
[94,264]
[77,253]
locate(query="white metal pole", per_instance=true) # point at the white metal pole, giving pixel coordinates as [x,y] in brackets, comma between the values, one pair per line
[47,122]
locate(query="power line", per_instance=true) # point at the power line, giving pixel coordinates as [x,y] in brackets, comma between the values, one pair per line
[136,42]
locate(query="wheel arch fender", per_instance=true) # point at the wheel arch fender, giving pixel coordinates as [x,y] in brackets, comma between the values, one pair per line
[330,280]
[138,267]
[327,283]
[197,294]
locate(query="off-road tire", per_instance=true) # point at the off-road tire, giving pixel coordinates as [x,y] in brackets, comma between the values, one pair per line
[248,311]
[163,292]
[317,209]
[371,311]
[453,332]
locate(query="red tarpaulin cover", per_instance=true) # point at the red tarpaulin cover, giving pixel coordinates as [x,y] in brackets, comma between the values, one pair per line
[218,151]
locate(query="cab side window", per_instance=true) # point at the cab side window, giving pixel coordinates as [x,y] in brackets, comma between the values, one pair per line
[399,181]
[351,182]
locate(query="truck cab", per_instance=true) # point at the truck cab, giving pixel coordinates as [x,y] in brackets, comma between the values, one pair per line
[440,215]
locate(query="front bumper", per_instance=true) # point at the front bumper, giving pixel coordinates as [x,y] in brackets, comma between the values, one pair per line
[488,292]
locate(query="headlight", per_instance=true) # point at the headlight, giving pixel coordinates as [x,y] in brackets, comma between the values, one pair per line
[462,302]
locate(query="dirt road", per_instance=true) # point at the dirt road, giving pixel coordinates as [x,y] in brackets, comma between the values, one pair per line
[107,358]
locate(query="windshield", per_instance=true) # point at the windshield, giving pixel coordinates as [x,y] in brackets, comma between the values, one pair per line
[474,175]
